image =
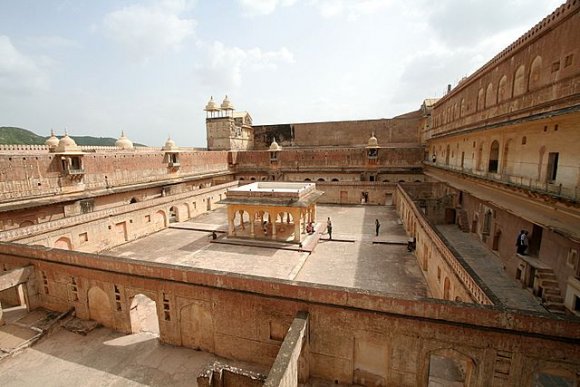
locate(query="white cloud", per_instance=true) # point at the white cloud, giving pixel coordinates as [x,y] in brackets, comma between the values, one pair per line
[18,72]
[262,7]
[225,64]
[148,30]
[351,9]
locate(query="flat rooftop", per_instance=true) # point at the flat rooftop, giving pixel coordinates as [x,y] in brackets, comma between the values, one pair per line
[355,258]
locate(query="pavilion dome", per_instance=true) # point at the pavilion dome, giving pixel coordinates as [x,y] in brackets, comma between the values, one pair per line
[169,145]
[67,144]
[274,146]
[52,141]
[123,142]
[227,104]
[211,106]
[373,142]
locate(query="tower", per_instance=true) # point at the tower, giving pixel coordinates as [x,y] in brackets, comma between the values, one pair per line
[226,128]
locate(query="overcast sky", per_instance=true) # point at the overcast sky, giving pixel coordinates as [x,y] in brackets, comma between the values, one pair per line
[149,67]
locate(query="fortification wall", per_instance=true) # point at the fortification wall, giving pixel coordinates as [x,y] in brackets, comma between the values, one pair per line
[340,133]
[36,174]
[539,72]
[352,334]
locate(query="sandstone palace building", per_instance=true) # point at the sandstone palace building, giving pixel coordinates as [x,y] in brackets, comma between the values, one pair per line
[440,297]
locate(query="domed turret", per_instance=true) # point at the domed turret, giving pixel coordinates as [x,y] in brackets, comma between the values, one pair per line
[373,142]
[169,145]
[123,142]
[51,142]
[226,104]
[211,106]
[67,145]
[274,147]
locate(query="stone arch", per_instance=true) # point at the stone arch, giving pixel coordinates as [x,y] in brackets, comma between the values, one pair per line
[307,179]
[519,87]
[133,200]
[241,179]
[143,314]
[321,179]
[252,178]
[479,156]
[263,178]
[489,96]
[197,326]
[63,243]
[502,90]
[448,367]
[100,307]
[534,80]
[335,179]
[507,159]
[26,223]
[159,220]
[480,100]
[173,214]
[493,164]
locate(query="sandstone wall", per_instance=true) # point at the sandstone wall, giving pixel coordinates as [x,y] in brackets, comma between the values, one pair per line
[352,336]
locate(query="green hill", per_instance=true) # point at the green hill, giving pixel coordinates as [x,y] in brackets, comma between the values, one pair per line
[18,136]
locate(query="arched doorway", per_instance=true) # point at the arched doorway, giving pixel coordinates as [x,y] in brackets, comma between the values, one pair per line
[26,223]
[448,367]
[493,157]
[63,243]
[143,313]
[100,307]
[172,214]
[159,220]
[197,326]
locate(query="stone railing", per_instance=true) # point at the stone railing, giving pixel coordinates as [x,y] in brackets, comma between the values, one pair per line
[41,228]
[528,183]
[463,272]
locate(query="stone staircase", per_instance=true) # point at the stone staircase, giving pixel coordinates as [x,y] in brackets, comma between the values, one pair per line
[551,295]
[462,220]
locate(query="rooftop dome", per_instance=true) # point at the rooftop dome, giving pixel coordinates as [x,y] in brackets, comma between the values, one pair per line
[169,145]
[211,106]
[274,146]
[226,104]
[123,142]
[67,145]
[373,142]
[52,141]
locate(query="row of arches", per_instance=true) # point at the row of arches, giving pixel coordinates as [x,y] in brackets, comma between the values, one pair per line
[522,80]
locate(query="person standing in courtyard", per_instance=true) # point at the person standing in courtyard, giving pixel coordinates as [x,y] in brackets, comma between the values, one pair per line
[329,228]
[522,242]
[377,227]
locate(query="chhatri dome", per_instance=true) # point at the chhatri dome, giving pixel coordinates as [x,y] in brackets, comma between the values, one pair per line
[169,145]
[67,145]
[123,142]
[211,106]
[226,104]
[373,142]
[274,146]
[52,141]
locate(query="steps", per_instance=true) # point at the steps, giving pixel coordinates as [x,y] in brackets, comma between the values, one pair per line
[551,295]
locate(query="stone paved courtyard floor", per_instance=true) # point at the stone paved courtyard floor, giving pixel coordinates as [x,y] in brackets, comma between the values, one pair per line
[352,259]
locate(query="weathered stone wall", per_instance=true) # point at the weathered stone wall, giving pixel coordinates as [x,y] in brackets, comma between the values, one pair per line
[352,334]
[447,277]
[539,72]
[396,130]
[100,230]
[37,174]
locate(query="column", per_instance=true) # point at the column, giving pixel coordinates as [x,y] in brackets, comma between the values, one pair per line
[297,224]
[231,214]
[242,219]
[274,226]
[252,221]
[314,213]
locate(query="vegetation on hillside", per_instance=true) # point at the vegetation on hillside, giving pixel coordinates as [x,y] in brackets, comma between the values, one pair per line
[18,136]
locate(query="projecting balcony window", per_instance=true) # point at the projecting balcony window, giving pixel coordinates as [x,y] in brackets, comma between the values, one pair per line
[72,165]
[373,153]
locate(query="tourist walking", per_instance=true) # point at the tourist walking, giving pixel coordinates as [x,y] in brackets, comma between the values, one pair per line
[377,227]
[329,228]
